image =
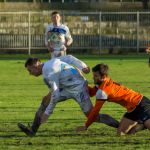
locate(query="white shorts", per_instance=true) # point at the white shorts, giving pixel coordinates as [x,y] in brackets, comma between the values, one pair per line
[58,54]
[82,98]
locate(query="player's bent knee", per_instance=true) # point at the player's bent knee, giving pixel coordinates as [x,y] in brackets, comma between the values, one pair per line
[147,124]
[120,132]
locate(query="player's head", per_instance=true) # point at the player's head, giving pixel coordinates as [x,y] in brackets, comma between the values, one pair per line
[55,17]
[100,71]
[34,66]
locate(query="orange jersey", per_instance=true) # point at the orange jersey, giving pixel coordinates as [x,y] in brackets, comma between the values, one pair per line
[111,91]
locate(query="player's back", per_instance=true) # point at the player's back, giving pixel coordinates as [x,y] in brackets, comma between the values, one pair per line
[120,94]
[68,77]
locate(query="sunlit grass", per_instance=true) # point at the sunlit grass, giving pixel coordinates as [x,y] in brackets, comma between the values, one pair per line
[21,95]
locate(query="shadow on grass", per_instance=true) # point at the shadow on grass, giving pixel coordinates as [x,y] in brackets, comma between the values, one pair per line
[84,57]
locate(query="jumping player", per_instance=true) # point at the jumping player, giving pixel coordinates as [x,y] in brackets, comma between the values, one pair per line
[64,82]
[137,105]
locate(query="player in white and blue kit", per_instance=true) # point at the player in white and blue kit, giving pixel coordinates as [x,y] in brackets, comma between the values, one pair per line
[64,82]
[57,36]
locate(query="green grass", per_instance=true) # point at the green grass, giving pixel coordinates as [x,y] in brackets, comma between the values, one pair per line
[21,95]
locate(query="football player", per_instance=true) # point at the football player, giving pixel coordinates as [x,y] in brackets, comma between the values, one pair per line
[105,89]
[64,82]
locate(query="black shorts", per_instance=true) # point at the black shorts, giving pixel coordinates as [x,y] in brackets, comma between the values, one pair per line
[141,113]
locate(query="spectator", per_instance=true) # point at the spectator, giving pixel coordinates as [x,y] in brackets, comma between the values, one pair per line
[57,36]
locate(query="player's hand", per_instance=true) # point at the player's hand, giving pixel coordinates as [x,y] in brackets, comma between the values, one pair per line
[81,128]
[50,49]
[63,48]
[86,70]
[148,50]
[67,43]
[44,118]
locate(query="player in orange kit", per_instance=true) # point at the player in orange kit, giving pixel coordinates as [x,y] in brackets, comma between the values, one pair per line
[137,105]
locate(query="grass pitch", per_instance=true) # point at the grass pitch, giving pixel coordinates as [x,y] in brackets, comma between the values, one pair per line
[21,95]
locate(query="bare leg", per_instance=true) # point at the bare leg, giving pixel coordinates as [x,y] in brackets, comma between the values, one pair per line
[137,128]
[147,124]
[125,126]
[37,119]
[31,131]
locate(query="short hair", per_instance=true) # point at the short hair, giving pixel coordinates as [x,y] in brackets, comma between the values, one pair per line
[54,13]
[30,61]
[101,68]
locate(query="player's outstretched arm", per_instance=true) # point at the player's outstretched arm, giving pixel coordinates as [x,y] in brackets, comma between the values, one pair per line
[92,116]
[76,62]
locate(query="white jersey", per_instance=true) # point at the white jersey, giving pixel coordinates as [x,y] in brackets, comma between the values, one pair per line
[55,36]
[59,75]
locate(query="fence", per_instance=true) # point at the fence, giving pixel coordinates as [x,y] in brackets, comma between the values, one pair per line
[90,30]
[66,1]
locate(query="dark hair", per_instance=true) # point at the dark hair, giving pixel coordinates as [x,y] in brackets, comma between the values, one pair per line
[54,13]
[101,68]
[30,61]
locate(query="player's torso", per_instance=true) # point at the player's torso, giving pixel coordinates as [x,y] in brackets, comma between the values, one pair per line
[68,76]
[120,94]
